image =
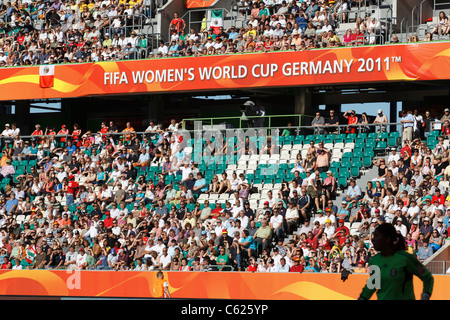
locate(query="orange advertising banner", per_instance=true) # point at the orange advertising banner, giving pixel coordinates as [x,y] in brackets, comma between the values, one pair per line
[409,62]
[195,285]
[191,4]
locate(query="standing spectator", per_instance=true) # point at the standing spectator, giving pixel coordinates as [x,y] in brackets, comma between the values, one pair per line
[407,120]
[382,120]
[318,121]
[352,119]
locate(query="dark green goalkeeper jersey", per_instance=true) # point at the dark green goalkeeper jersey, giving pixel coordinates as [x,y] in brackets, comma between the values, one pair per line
[396,277]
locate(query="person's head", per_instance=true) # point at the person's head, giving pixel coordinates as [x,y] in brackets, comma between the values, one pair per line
[386,239]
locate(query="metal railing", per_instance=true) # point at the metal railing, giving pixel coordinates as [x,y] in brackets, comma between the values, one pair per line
[246,121]
[214,268]
[439,267]
[299,129]
[406,29]
[369,39]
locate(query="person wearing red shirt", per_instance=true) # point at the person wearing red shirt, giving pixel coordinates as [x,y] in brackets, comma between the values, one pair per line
[341,236]
[253,267]
[177,24]
[446,128]
[104,130]
[6,265]
[340,227]
[352,119]
[72,190]
[108,222]
[311,240]
[20,38]
[438,196]
[406,148]
[38,132]
[76,133]
[63,131]
[357,37]
[50,131]
[215,213]
[297,267]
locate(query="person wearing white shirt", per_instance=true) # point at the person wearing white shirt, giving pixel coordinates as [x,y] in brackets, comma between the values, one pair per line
[158,247]
[326,26]
[329,229]
[185,171]
[399,226]
[276,257]
[236,208]
[283,266]
[243,218]
[92,232]
[291,216]
[276,223]
[413,211]
[8,132]
[394,156]
[218,228]
[81,259]
[165,259]
[374,24]
[163,49]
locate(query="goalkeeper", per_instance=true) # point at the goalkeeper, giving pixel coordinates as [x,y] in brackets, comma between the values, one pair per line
[395,267]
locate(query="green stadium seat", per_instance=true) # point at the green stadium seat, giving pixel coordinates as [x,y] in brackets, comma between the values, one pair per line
[383,135]
[371,143]
[367,161]
[342,182]
[361,135]
[354,172]
[381,145]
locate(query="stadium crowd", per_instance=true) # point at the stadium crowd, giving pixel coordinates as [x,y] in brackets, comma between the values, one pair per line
[36,32]
[87,201]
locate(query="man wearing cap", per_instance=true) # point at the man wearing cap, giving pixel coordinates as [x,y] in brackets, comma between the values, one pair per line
[446,115]
[400,227]
[426,229]
[380,119]
[225,238]
[7,134]
[394,156]
[64,131]
[343,213]
[297,266]
[329,229]
[320,217]
[72,190]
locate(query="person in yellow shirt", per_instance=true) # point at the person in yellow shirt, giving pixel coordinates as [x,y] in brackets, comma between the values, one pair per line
[360,268]
[333,36]
[252,31]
